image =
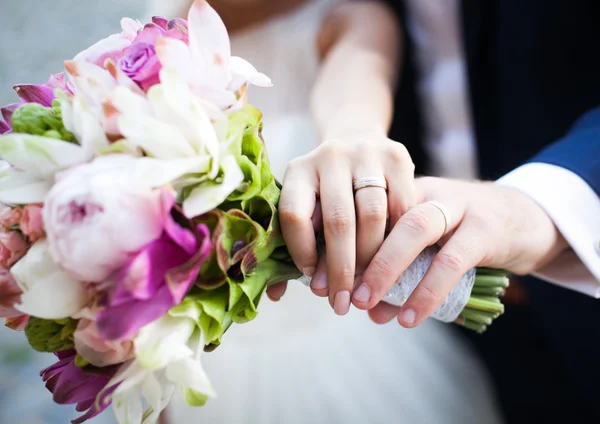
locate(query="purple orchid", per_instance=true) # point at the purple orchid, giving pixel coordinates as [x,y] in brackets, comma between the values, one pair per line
[71,384]
[154,280]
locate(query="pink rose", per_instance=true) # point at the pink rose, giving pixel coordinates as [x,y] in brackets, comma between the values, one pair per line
[32,224]
[12,248]
[10,295]
[9,217]
[97,350]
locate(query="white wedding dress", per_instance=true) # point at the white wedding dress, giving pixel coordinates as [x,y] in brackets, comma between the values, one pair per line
[298,362]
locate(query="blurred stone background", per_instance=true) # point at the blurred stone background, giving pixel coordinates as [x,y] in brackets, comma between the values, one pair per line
[35,37]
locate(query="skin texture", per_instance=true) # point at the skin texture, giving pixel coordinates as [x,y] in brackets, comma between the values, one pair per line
[353,124]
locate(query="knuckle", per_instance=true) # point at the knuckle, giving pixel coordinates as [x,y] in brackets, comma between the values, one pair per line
[342,274]
[428,295]
[339,221]
[372,212]
[452,262]
[416,221]
[290,216]
[398,153]
[381,266]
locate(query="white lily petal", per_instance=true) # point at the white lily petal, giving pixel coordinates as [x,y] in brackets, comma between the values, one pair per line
[39,156]
[153,394]
[129,376]
[218,118]
[128,409]
[241,68]
[173,101]
[127,101]
[48,291]
[208,38]
[176,55]
[163,341]
[189,374]
[159,139]
[155,172]
[20,188]
[209,195]
[88,129]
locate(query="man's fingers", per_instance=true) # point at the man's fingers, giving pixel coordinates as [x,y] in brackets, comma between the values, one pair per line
[420,227]
[461,252]
[296,211]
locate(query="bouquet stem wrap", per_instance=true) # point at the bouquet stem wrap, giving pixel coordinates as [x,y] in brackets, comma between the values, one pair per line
[473,302]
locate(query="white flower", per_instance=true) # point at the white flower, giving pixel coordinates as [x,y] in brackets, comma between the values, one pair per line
[170,123]
[207,64]
[167,357]
[48,292]
[35,161]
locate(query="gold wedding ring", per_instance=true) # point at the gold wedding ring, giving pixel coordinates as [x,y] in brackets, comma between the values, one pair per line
[369,182]
[445,213]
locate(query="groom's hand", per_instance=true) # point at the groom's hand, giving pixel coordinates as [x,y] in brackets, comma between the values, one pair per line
[490,226]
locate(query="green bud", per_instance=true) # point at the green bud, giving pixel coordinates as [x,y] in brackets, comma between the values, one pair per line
[35,119]
[80,362]
[50,336]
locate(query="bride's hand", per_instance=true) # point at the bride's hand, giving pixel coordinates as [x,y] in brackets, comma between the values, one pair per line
[354,221]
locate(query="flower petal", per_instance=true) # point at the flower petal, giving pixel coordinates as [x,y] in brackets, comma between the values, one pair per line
[20,188]
[155,172]
[210,195]
[8,110]
[163,341]
[35,94]
[48,292]
[208,38]
[39,156]
[243,71]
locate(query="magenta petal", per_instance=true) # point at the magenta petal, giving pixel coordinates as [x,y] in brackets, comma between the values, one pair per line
[7,111]
[124,321]
[70,384]
[35,94]
[161,22]
[4,128]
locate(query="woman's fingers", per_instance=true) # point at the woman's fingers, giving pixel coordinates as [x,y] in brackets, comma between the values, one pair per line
[276,291]
[371,214]
[400,172]
[296,211]
[339,221]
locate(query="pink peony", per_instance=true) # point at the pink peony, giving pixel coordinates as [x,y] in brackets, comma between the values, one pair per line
[10,217]
[31,223]
[97,350]
[98,215]
[12,248]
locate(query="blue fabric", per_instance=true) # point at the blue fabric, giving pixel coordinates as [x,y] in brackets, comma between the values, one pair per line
[579,150]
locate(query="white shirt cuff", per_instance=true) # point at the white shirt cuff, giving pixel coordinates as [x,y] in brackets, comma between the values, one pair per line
[575,209]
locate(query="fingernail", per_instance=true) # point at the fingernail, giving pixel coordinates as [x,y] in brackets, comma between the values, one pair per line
[408,316]
[362,294]
[309,272]
[341,303]
[319,282]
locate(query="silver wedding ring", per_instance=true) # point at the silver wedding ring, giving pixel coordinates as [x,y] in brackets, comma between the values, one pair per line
[370,182]
[445,213]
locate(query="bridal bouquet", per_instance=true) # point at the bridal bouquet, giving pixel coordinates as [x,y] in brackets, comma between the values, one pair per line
[140,217]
